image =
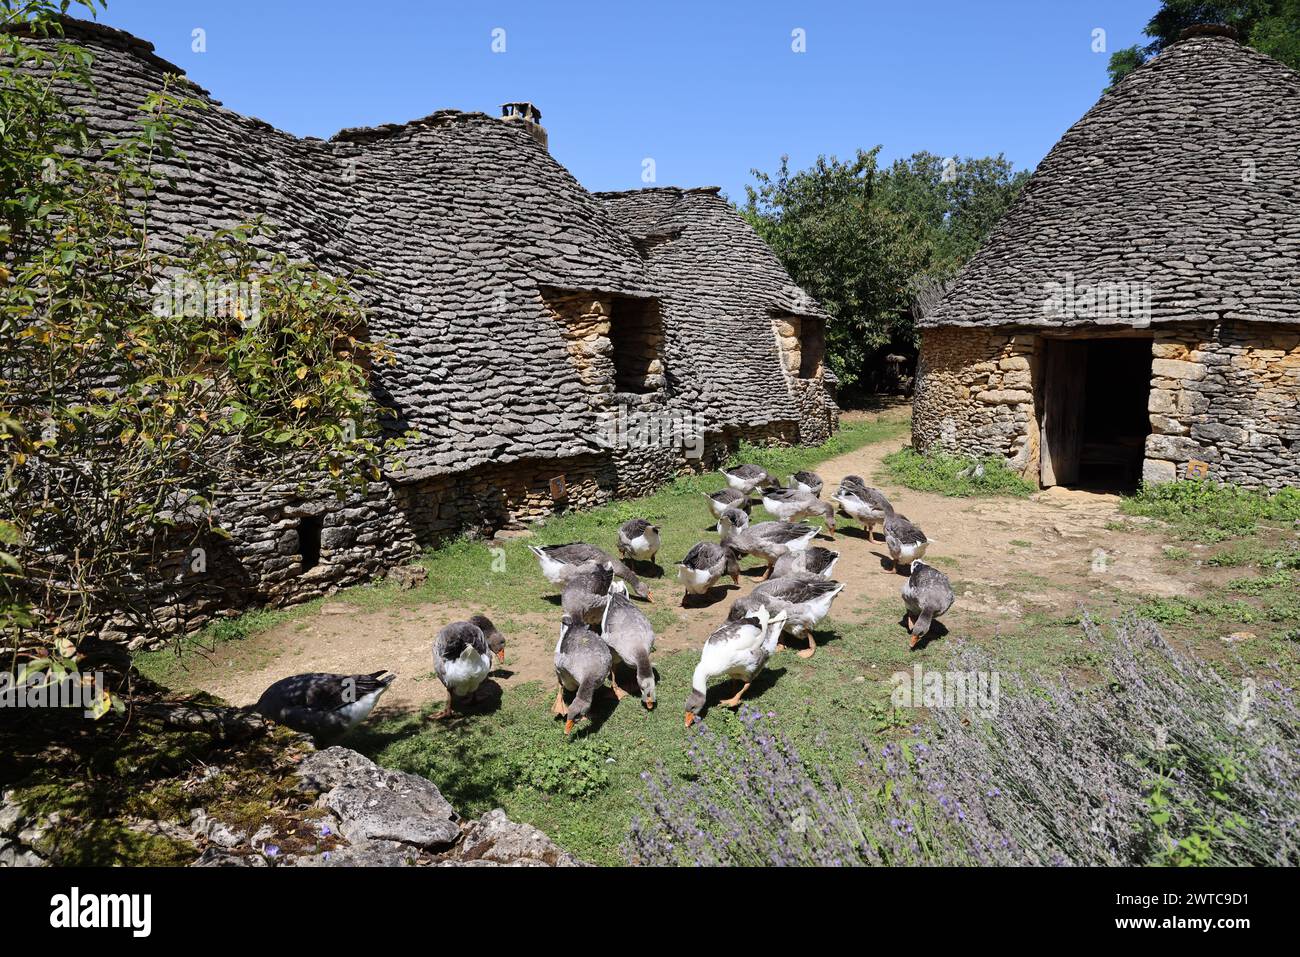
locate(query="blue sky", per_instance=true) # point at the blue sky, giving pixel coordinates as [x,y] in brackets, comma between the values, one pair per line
[708,89]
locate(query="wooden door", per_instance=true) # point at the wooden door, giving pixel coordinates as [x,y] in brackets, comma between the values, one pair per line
[1065,371]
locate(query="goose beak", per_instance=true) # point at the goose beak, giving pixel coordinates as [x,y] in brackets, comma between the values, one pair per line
[648,596]
[568,725]
[649,704]
[501,656]
[689,718]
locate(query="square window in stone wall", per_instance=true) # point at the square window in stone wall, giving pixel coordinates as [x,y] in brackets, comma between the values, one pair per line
[812,347]
[636,345]
[803,343]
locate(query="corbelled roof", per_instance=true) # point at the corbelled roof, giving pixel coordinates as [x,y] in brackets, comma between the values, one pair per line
[451,227]
[1180,188]
[720,285]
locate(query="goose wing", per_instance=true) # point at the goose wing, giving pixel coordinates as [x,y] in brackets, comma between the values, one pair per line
[799,588]
[931,589]
[782,532]
[703,555]
[631,530]
[453,639]
[902,529]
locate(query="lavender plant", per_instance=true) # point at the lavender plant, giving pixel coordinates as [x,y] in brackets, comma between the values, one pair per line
[754,801]
[1164,761]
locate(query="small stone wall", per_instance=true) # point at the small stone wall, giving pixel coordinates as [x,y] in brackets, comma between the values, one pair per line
[975,395]
[1225,395]
[260,564]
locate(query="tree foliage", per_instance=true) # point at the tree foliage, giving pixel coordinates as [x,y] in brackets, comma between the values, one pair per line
[1270,26]
[864,240]
[136,383]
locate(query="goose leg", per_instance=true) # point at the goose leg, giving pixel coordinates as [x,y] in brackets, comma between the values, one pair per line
[619,693]
[558,708]
[767,574]
[735,701]
[448,710]
[812,646]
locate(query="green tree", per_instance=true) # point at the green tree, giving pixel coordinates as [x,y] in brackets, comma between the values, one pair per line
[133,383]
[864,240]
[846,248]
[1270,26]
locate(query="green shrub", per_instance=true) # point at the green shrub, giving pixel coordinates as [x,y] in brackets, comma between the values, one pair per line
[954,475]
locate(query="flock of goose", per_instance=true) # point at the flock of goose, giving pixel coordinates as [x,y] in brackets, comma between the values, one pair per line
[602,628]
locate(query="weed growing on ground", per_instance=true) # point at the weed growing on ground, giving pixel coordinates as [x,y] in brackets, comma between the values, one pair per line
[1211,511]
[952,475]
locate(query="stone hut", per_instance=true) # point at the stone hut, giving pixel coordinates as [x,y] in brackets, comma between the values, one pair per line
[555,348]
[1136,313]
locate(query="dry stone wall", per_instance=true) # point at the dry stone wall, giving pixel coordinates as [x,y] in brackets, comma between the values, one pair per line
[975,395]
[1228,396]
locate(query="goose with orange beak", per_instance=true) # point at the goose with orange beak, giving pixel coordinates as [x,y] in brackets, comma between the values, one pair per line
[583,663]
[739,650]
[631,638]
[462,658]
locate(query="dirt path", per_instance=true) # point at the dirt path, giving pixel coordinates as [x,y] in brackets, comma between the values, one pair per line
[1005,556]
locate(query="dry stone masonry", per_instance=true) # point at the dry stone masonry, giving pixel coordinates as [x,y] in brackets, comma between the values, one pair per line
[525,314]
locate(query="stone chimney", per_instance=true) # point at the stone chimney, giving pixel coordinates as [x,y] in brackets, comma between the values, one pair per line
[527,116]
[1208,30]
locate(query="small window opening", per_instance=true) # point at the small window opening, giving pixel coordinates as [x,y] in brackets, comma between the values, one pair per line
[636,339]
[309,531]
[812,345]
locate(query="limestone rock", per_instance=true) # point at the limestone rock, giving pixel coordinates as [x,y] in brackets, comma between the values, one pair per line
[495,839]
[371,802]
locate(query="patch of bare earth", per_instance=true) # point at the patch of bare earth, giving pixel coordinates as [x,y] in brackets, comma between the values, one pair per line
[1007,557]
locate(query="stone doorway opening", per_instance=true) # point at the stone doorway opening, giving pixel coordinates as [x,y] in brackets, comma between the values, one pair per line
[1094,394]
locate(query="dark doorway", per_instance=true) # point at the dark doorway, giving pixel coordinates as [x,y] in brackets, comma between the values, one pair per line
[309,533]
[1095,422]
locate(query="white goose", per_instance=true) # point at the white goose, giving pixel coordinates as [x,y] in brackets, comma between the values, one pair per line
[638,539]
[862,503]
[739,649]
[769,540]
[462,658]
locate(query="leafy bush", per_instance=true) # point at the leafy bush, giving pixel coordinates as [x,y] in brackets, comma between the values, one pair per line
[1213,511]
[954,475]
[138,383]
[1165,762]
